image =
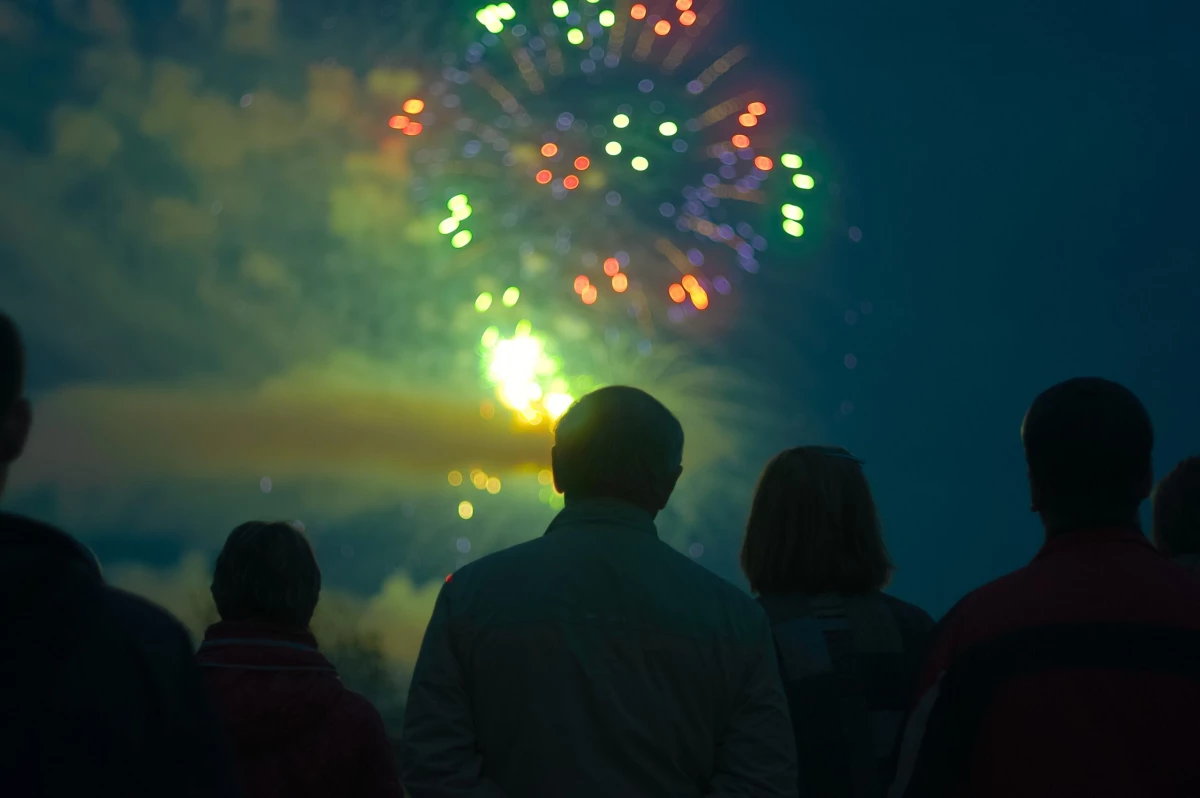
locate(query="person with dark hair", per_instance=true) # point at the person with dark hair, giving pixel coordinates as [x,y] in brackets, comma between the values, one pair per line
[849,654]
[1078,674]
[1176,524]
[297,730]
[596,660]
[98,691]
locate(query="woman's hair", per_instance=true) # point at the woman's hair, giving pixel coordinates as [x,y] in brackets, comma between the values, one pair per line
[267,572]
[813,527]
[1176,522]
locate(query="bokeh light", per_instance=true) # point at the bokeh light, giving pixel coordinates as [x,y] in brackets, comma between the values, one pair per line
[620,283]
[662,27]
[803,181]
[466,511]
[483,302]
[413,106]
[637,11]
[611,266]
[549,149]
[741,141]
[640,163]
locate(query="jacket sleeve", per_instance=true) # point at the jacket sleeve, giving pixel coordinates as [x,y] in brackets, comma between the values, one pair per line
[440,758]
[757,755]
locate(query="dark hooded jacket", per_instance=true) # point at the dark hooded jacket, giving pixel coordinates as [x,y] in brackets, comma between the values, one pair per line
[297,731]
[98,691]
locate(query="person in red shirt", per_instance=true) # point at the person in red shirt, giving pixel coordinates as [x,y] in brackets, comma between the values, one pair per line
[297,731]
[1079,674]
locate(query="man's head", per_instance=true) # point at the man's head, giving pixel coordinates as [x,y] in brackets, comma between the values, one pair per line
[1176,525]
[267,572]
[1088,443]
[15,413]
[618,443]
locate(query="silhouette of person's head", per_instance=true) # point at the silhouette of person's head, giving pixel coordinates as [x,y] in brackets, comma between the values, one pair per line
[618,443]
[1176,525]
[1088,444]
[813,527]
[267,572]
[15,413]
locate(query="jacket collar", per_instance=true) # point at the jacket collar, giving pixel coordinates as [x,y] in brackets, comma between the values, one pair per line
[247,645]
[585,513]
[1079,538]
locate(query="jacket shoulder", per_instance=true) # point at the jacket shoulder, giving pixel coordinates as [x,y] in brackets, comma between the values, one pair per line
[141,619]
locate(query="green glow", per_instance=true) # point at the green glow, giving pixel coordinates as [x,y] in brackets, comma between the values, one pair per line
[621,120]
[490,336]
[791,161]
[793,228]
[613,148]
[524,327]
[461,212]
[461,239]
[803,181]
[448,226]
[483,301]
[457,201]
[575,36]
[489,17]
[793,212]
[560,8]
[510,297]
[505,11]
[640,164]
[608,19]
[668,128]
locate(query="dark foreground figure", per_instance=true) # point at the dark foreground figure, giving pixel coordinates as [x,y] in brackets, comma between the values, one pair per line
[849,654]
[1079,674]
[297,731]
[1177,515]
[98,691]
[597,660]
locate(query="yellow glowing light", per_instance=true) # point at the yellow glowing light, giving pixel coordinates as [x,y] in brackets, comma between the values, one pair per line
[493,485]
[487,409]
[575,36]
[454,478]
[581,282]
[517,367]
[490,336]
[764,163]
[461,239]
[791,161]
[793,228]
[803,181]
[465,510]
[687,18]
[607,18]
[613,148]
[700,299]
[621,120]
[483,301]
[668,128]
[545,476]
[505,11]
[590,294]
[447,226]
[557,403]
[638,11]
[549,149]
[611,266]
[544,176]
[683,5]
[461,212]
[748,120]
[457,201]
[399,122]
[413,106]
[741,141]
[560,8]
[791,211]
[640,164]
[620,282]
[758,109]
[689,282]
[677,293]
[524,327]
[479,479]
[510,297]
[662,27]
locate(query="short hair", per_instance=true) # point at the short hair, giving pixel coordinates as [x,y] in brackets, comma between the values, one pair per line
[12,362]
[1176,516]
[1088,441]
[267,572]
[604,437]
[813,527]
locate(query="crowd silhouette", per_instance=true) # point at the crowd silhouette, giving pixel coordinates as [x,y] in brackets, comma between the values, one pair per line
[595,660]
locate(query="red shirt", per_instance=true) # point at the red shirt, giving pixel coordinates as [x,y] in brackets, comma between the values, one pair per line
[297,731]
[1077,675]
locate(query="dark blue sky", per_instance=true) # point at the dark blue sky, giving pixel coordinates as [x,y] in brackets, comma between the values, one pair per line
[1025,177]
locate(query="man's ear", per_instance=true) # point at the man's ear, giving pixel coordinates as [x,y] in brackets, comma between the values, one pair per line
[15,430]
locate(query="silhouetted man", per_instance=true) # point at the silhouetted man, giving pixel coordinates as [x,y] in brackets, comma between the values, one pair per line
[1176,520]
[1079,674]
[98,691]
[596,660]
